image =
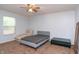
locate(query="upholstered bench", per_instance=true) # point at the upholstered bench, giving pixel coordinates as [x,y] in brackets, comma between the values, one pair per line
[61,41]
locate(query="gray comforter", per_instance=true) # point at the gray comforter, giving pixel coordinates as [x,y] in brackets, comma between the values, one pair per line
[36,38]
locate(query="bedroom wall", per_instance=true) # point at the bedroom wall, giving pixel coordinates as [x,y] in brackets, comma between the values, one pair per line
[77,14]
[21,25]
[61,24]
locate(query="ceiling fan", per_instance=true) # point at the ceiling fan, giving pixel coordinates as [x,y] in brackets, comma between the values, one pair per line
[31,8]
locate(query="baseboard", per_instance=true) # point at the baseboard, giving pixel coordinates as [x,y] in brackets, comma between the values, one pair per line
[7,41]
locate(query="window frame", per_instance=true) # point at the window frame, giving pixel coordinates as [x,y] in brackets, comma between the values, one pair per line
[8,26]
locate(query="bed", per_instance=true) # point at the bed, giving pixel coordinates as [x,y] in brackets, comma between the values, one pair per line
[36,40]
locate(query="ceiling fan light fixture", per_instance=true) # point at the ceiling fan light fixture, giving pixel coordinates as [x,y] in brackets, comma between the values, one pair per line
[30,10]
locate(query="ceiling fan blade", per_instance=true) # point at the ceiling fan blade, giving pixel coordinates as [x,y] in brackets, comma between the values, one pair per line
[28,4]
[37,7]
[34,10]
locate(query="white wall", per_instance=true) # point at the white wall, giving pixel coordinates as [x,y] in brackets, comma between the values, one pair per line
[77,14]
[60,24]
[21,25]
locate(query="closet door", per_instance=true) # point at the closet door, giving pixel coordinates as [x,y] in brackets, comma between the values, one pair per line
[78,40]
[76,45]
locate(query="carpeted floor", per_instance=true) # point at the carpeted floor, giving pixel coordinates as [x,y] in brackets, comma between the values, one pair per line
[15,48]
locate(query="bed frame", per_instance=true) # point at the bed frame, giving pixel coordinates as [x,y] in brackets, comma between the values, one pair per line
[34,45]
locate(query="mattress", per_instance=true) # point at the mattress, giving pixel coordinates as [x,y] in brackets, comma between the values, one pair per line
[36,38]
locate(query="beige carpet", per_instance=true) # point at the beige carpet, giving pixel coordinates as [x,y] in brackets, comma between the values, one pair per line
[15,48]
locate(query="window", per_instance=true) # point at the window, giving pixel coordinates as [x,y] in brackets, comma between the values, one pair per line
[8,25]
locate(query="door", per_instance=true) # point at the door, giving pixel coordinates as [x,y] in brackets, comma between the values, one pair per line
[76,45]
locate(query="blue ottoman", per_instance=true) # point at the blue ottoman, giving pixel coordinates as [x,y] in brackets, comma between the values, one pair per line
[61,41]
